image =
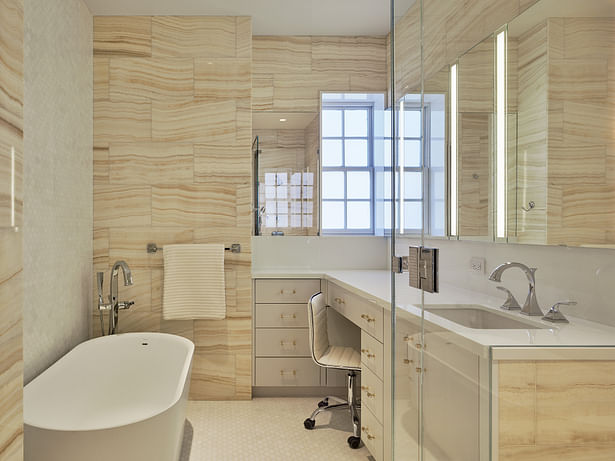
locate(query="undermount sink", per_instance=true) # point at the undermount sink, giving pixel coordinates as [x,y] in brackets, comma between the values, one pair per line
[479,317]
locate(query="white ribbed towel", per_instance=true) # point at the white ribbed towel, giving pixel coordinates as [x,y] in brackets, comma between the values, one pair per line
[193,282]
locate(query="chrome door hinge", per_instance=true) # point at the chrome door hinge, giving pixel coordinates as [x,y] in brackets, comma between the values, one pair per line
[422,267]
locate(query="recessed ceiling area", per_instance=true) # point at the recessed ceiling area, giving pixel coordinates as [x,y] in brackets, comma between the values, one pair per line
[270,17]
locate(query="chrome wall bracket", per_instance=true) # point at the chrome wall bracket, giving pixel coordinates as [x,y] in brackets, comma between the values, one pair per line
[422,267]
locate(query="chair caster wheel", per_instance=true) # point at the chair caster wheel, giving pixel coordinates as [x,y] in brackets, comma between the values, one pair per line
[323,403]
[354,442]
[309,424]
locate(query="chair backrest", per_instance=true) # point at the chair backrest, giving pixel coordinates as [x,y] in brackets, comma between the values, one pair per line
[317,320]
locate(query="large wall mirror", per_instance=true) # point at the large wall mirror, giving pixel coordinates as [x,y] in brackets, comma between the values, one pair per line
[529,111]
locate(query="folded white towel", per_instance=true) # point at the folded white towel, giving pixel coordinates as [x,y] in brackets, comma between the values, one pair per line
[193,282]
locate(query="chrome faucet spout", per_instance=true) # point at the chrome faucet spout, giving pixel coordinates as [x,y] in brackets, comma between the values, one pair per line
[113,295]
[530,307]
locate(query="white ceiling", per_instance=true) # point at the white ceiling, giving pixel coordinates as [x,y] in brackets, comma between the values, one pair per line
[271,17]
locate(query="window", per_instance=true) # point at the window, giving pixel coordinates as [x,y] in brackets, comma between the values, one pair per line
[347,167]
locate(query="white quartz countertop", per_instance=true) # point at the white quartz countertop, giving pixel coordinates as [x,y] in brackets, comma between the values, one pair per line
[375,285]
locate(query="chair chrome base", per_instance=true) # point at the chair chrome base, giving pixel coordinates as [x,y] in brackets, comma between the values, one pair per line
[354,441]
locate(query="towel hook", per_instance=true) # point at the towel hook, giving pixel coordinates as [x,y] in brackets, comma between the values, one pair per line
[530,205]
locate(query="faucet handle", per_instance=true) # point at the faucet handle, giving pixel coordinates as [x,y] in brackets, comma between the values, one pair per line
[510,303]
[555,315]
[125,304]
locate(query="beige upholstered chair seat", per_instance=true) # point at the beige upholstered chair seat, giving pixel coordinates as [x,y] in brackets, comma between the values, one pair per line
[341,357]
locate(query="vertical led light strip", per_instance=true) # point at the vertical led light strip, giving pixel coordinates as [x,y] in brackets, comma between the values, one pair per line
[12,186]
[501,135]
[453,118]
[402,162]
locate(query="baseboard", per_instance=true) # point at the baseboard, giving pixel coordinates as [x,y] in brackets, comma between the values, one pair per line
[320,392]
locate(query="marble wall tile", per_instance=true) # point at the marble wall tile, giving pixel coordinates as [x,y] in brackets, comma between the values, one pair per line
[150,163]
[281,55]
[101,164]
[101,78]
[222,162]
[122,121]
[337,54]
[122,36]
[121,206]
[150,78]
[194,205]
[222,79]
[243,37]
[194,121]
[194,36]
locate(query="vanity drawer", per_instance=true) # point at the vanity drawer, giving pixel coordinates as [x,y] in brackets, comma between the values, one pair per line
[286,290]
[287,372]
[281,315]
[292,342]
[372,391]
[371,434]
[372,354]
[368,316]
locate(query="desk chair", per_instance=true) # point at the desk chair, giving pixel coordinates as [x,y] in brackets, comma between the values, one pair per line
[337,358]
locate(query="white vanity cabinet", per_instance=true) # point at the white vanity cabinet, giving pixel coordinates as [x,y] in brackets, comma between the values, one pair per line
[282,356]
[374,322]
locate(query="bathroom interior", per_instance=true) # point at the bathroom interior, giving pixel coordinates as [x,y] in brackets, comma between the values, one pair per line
[352,230]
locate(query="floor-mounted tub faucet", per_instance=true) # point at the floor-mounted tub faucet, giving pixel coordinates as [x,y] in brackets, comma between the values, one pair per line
[530,307]
[114,304]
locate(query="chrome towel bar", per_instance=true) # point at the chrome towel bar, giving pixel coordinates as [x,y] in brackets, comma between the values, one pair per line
[234,248]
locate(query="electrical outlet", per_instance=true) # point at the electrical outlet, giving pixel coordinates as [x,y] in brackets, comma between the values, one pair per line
[477,265]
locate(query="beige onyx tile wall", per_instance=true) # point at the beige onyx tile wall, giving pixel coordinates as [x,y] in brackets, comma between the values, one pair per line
[581,134]
[11,261]
[556,410]
[172,164]
[451,27]
[290,71]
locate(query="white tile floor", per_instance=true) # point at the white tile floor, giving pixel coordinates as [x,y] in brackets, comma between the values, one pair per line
[266,429]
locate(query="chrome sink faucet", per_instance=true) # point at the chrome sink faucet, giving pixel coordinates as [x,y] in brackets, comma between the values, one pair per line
[530,307]
[114,304]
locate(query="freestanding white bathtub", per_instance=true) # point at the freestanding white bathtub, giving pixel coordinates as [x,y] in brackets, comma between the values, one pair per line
[120,397]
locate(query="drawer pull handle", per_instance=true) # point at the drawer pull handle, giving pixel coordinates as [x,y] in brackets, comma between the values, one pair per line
[288,316]
[371,356]
[370,394]
[366,430]
[364,388]
[367,318]
[284,373]
[339,300]
[407,361]
[283,292]
[420,370]
[420,346]
[408,339]
[288,343]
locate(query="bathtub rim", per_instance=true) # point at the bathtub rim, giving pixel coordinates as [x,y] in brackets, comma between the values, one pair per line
[179,393]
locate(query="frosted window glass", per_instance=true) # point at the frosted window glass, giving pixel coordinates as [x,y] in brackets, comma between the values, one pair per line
[359,185]
[282,179]
[282,207]
[413,185]
[412,124]
[437,153]
[333,184]
[307,191]
[307,220]
[283,192]
[331,152]
[333,215]
[356,152]
[283,220]
[270,192]
[412,153]
[295,179]
[270,179]
[270,207]
[295,192]
[331,123]
[355,123]
[308,179]
[308,207]
[295,207]
[413,215]
[388,129]
[359,215]
[295,220]
[270,220]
